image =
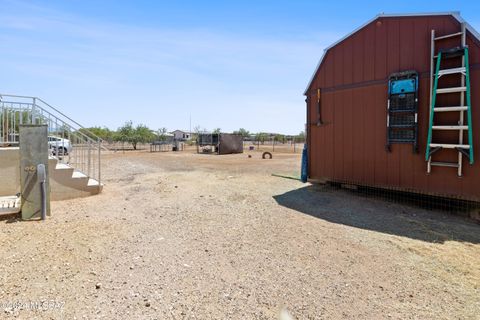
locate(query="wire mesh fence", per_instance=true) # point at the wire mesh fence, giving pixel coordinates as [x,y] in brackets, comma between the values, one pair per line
[412,199]
[273,146]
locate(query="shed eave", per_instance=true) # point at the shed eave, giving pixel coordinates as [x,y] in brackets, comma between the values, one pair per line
[455,14]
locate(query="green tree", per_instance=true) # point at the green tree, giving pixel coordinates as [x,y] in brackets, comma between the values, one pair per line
[243,132]
[217,130]
[300,137]
[279,138]
[134,135]
[196,131]
[10,121]
[261,137]
[162,134]
[101,132]
[61,131]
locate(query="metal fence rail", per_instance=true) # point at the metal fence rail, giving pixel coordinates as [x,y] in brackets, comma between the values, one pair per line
[69,141]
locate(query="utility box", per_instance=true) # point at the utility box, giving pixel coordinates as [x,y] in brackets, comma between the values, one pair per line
[33,152]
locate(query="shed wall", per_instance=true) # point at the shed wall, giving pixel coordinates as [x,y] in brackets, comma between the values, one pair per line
[353,77]
[230,143]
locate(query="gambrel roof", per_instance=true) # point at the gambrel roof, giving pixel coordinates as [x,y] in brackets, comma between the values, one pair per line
[454,14]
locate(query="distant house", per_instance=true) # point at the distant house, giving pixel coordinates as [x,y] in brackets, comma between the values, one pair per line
[181,135]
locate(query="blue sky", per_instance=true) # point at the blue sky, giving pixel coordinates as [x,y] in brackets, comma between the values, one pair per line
[226,64]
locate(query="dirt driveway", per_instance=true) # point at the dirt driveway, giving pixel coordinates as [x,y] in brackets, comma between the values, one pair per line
[187,236]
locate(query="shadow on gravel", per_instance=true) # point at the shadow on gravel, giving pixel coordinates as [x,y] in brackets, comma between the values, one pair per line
[355,210]
[10,218]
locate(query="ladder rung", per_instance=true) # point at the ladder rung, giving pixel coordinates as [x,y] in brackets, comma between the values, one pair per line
[452,71]
[452,90]
[446,109]
[450,127]
[449,146]
[444,164]
[449,36]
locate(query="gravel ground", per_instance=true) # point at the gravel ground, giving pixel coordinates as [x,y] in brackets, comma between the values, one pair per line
[187,236]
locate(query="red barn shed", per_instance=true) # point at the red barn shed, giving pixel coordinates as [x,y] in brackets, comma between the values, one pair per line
[354,134]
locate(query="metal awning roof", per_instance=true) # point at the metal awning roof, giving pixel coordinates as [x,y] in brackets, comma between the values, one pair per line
[455,14]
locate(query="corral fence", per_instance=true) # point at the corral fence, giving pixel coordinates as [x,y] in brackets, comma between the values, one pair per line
[290,146]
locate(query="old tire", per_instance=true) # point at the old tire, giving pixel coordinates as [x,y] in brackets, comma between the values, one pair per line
[267,154]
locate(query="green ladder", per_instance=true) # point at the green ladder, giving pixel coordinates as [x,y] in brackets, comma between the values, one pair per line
[464,149]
